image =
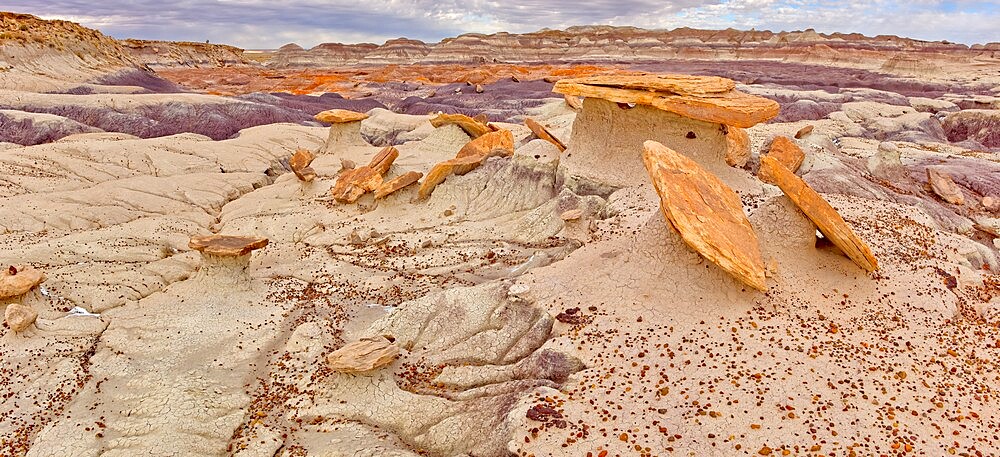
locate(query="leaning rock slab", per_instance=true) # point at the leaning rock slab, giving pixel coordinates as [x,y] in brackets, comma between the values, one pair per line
[826,218]
[707,213]
[784,150]
[543,133]
[500,143]
[299,162]
[397,183]
[475,128]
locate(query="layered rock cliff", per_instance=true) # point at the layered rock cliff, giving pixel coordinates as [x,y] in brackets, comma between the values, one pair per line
[160,54]
[608,43]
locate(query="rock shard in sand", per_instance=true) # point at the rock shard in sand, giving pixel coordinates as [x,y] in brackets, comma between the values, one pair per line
[299,162]
[362,356]
[340,116]
[471,156]
[353,183]
[944,187]
[826,218]
[472,126]
[17,282]
[785,151]
[707,213]
[705,98]
[227,245]
[399,182]
[543,133]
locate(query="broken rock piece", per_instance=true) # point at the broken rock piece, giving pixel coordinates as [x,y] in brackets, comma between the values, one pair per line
[397,183]
[300,162]
[817,209]
[499,143]
[362,356]
[383,160]
[340,116]
[541,132]
[227,245]
[352,184]
[16,282]
[785,151]
[943,186]
[707,213]
[474,127]
[441,171]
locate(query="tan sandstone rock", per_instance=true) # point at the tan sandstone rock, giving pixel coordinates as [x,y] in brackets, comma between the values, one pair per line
[944,187]
[784,150]
[363,356]
[541,132]
[707,213]
[353,183]
[474,127]
[441,171]
[826,218]
[340,116]
[737,147]
[706,98]
[226,245]
[804,132]
[397,183]
[383,160]
[19,317]
[991,203]
[299,162]
[15,282]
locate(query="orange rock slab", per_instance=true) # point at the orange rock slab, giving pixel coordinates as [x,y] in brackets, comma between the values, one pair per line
[706,212]
[827,219]
[299,162]
[737,147]
[474,127]
[226,245]
[353,183]
[397,183]
[383,160]
[499,143]
[702,100]
[785,151]
[541,132]
[670,83]
[340,116]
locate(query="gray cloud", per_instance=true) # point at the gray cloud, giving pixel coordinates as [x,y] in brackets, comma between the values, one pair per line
[269,24]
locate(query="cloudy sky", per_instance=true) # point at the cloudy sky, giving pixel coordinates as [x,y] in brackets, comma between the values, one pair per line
[269,24]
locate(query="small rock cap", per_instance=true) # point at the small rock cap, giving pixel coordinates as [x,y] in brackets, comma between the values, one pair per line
[14,282]
[340,116]
[226,245]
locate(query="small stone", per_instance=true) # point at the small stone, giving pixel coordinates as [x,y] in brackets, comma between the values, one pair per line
[804,132]
[574,101]
[347,164]
[991,203]
[479,88]
[19,317]
[942,185]
[362,356]
[300,162]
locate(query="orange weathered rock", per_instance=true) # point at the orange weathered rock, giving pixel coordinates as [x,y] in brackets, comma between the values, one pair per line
[944,187]
[299,162]
[706,212]
[383,160]
[340,116]
[441,171]
[541,132]
[362,356]
[499,143]
[574,101]
[352,184]
[226,245]
[784,150]
[474,127]
[817,209]
[706,98]
[804,132]
[15,282]
[737,147]
[397,183]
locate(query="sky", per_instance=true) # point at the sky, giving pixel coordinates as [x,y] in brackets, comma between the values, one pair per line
[268,24]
